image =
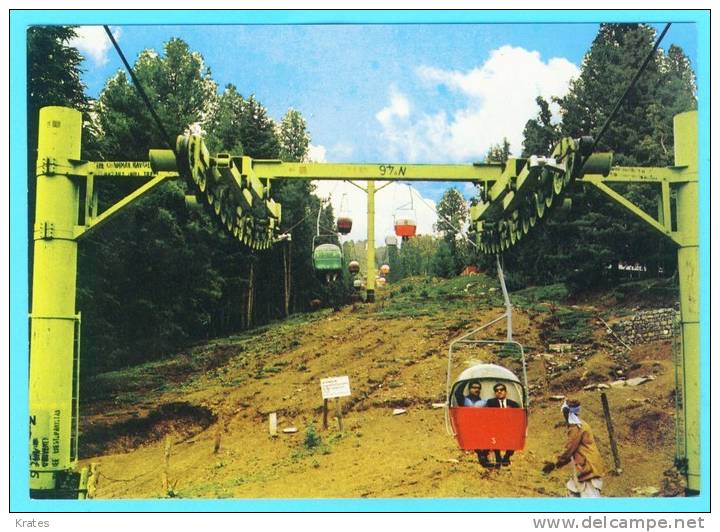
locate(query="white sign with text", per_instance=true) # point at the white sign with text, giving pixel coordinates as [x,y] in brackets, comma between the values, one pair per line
[335,387]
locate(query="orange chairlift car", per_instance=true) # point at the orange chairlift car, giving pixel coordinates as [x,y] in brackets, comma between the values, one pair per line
[475,428]
[405,219]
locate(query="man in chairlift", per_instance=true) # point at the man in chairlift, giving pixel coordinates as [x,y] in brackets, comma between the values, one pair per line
[473,399]
[501,401]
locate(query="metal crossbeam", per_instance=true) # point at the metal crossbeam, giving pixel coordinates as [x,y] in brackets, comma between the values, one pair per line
[376,172]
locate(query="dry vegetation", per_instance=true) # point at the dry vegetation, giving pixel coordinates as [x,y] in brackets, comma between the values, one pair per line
[213,402]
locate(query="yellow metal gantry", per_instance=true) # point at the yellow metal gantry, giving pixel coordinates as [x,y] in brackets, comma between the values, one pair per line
[238,188]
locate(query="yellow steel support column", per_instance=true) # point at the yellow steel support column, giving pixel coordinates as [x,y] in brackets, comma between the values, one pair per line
[370,283]
[53,316]
[686,154]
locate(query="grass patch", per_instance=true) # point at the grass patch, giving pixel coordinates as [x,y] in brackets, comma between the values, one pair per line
[427,296]
[654,289]
[530,296]
[566,325]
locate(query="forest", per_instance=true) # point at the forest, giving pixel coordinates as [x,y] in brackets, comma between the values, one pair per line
[164,274]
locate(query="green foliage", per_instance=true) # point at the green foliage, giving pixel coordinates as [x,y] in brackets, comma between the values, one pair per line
[567,325]
[498,153]
[452,214]
[294,139]
[540,134]
[443,262]
[312,438]
[416,256]
[162,274]
[552,293]
[427,296]
[584,250]
[180,89]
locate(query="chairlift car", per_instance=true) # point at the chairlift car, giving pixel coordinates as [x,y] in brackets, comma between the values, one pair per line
[380,281]
[488,428]
[327,260]
[384,269]
[354,267]
[327,257]
[405,219]
[405,223]
[344,221]
[391,240]
[485,427]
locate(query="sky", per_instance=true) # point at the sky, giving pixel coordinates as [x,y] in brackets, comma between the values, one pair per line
[383,93]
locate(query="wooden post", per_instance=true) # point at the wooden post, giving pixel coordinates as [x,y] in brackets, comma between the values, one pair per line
[166,468]
[272,421]
[611,432]
[218,437]
[338,413]
[325,413]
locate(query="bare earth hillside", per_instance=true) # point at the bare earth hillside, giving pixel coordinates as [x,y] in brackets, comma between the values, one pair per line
[209,405]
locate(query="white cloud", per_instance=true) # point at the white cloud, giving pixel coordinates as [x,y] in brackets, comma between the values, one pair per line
[93,42]
[317,154]
[497,99]
[387,201]
[399,107]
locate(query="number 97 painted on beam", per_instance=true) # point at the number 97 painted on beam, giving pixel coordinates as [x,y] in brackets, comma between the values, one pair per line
[391,170]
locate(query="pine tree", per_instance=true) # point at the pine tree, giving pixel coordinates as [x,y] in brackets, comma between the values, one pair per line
[540,134]
[597,233]
[499,153]
[452,215]
[293,136]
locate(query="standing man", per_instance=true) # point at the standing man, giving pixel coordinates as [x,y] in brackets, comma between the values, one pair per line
[582,451]
[501,401]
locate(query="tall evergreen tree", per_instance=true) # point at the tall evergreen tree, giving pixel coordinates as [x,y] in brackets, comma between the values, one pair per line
[499,153]
[540,134]
[293,136]
[598,234]
[180,88]
[452,215]
[155,276]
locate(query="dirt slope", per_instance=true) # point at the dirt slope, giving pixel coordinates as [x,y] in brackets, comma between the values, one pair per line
[219,395]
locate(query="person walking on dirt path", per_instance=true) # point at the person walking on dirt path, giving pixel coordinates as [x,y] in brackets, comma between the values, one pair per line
[501,401]
[582,451]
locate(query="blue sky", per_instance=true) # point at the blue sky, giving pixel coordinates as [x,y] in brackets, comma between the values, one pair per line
[381,93]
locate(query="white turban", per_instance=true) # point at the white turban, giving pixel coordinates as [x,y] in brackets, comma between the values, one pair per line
[573,412]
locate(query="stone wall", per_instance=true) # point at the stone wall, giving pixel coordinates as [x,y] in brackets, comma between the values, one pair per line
[647,326]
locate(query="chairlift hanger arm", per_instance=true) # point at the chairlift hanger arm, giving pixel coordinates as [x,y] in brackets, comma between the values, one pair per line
[353,183]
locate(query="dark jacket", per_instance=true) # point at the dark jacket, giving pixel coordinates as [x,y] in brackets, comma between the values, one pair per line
[495,402]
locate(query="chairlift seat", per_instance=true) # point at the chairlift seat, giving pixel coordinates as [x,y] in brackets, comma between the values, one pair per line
[487,427]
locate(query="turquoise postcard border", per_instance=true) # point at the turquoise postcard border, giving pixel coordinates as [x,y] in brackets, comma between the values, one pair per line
[21,19]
